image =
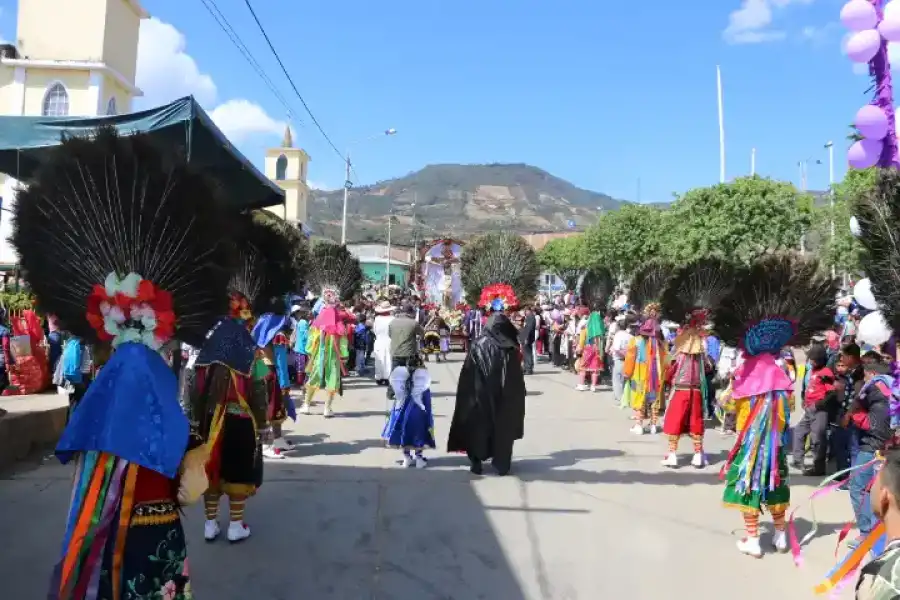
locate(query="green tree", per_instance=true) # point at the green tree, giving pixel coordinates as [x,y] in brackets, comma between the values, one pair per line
[738,221]
[842,251]
[567,258]
[625,239]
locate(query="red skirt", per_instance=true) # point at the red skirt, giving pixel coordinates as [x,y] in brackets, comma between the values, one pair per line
[684,413]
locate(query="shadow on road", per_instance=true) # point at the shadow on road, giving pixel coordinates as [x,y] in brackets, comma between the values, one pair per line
[347,533]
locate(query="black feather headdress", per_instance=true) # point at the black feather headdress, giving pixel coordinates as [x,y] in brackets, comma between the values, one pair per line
[777,302]
[332,268]
[878,214]
[695,288]
[647,285]
[109,220]
[597,287]
[268,265]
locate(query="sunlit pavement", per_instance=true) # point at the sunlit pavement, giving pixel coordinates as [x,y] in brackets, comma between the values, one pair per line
[587,513]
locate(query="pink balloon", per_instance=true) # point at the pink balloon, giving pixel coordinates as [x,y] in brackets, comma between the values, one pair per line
[864,154]
[889,28]
[858,15]
[863,45]
[871,122]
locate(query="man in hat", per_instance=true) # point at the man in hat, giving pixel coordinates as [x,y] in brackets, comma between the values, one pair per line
[384,316]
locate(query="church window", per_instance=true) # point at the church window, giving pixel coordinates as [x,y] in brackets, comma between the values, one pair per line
[56,101]
[111,108]
[281,168]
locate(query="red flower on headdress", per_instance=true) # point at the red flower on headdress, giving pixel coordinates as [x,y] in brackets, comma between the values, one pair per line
[131,309]
[498,296]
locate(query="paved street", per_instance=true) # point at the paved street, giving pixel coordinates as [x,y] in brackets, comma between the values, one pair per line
[587,514]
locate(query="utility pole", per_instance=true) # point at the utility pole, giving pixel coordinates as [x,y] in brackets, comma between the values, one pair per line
[752,162]
[830,146]
[387,271]
[347,185]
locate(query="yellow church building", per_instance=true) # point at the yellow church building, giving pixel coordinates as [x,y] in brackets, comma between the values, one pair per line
[79,59]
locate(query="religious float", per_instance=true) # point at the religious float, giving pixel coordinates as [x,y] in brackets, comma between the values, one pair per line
[437,277]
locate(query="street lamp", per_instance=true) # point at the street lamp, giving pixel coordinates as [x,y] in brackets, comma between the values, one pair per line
[803,164]
[348,184]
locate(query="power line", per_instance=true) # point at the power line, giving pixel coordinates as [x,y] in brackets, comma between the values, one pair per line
[291,81]
[223,23]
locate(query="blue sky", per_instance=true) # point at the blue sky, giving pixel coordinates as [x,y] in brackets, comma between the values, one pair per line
[604,94]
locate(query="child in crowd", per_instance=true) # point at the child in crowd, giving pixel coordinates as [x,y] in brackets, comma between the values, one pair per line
[361,337]
[818,395]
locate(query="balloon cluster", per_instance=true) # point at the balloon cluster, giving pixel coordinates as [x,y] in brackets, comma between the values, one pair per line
[871,32]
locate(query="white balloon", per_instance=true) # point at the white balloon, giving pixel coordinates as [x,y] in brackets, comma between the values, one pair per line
[862,293]
[873,329]
[892,10]
[855,229]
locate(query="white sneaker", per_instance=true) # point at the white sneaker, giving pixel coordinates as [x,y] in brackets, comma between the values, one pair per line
[421,462]
[272,452]
[407,461]
[699,460]
[654,429]
[282,444]
[211,530]
[638,429]
[237,531]
[779,540]
[593,388]
[750,547]
[671,460]
[328,413]
[305,409]
[581,387]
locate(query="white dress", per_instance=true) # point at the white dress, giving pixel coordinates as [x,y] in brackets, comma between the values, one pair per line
[382,350]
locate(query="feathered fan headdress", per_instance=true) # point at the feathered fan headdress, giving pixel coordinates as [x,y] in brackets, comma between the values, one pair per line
[334,272]
[123,242]
[499,257]
[878,214]
[597,287]
[778,301]
[267,268]
[498,297]
[647,287]
[696,289]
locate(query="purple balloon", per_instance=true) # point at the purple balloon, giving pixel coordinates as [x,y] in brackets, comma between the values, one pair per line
[864,154]
[863,45]
[871,122]
[858,15]
[889,28]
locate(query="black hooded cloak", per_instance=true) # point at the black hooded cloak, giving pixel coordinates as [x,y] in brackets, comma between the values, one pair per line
[490,397]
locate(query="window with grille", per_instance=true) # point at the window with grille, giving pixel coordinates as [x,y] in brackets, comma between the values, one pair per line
[56,101]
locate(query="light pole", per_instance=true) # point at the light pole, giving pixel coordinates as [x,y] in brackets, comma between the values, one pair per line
[830,147]
[803,164]
[752,162]
[347,184]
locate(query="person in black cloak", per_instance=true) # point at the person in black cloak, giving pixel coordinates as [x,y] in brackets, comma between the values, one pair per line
[489,415]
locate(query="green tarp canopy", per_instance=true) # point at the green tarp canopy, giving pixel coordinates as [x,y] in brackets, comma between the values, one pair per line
[23,140]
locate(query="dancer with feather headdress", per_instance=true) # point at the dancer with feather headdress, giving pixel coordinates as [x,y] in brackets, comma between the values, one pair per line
[489,414]
[693,291]
[596,290]
[645,358]
[338,275]
[778,302]
[137,234]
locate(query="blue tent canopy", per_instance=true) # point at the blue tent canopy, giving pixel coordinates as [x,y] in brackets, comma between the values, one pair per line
[183,124]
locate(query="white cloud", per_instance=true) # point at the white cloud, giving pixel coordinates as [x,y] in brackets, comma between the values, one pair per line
[165,72]
[752,22]
[241,118]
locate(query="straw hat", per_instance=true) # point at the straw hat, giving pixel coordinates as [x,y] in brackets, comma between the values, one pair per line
[384,307]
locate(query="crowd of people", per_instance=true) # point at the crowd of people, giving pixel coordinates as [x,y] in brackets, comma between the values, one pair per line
[221,356]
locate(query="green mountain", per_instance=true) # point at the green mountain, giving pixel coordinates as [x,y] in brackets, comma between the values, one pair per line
[458,201]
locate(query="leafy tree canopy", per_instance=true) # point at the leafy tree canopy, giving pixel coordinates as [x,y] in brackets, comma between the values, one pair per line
[842,252]
[738,221]
[625,239]
[567,258]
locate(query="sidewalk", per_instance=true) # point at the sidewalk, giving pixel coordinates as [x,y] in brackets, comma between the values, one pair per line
[29,424]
